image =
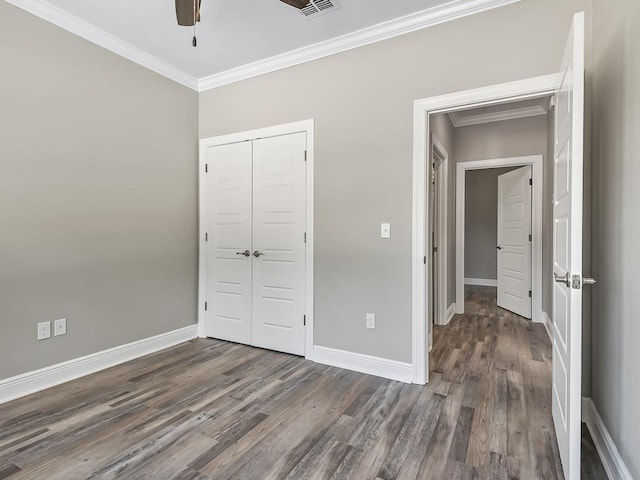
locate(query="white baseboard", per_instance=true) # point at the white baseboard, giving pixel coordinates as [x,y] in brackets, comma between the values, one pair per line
[451,311]
[31,382]
[482,282]
[611,459]
[546,321]
[380,367]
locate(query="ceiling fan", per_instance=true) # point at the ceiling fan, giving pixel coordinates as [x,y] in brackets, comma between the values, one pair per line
[188,12]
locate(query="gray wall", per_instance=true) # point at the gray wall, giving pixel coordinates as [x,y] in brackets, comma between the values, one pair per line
[98,196]
[481,223]
[362,101]
[616,224]
[509,138]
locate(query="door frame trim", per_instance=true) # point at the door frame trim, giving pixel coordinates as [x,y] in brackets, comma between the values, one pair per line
[422,108]
[306,126]
[443,234]
[536,163]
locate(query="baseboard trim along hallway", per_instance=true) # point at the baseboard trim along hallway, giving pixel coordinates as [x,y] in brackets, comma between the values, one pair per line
[31,382]
[482,282]
[609,455]
[380,367]
[451,311]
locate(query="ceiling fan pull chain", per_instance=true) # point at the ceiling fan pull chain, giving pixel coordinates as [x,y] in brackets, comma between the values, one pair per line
[194,42]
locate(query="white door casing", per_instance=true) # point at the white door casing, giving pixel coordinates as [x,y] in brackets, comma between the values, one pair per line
[279,170]
[567,252]
[229,189]
[514,241]
[437,261]
[483,96]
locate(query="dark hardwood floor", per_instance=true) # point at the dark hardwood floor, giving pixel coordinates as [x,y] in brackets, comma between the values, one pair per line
[209,409]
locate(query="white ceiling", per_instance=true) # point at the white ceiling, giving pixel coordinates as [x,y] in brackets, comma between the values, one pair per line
[237,33]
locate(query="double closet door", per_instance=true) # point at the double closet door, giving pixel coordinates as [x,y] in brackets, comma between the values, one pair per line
[255,228]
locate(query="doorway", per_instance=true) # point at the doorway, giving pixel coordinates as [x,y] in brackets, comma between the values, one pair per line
[421,299]
[534,268]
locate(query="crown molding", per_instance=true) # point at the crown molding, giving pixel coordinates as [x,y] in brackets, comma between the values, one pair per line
[75,25]
[393,28]
[480,118]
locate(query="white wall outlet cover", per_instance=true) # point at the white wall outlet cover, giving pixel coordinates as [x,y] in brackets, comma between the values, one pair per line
[385,230]
[60,327]
[370,320]
[44,330]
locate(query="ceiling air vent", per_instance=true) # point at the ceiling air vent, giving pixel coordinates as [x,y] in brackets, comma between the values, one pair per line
[317,7]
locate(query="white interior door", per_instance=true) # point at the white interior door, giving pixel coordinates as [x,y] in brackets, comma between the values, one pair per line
[279,172]
[567,252]
[514,241]
[229,200]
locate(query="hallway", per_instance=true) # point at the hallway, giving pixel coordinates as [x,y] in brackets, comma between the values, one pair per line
[502,363]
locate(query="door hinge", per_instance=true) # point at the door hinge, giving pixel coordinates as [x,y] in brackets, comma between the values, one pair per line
[304,320]
[305,237]
[305,155]
[425,260]
[529,293]
[530,237]
[206,237]
[531,181]
[205,306]
[206,167]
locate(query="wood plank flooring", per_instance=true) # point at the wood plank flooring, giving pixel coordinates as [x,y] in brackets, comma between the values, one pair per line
[209,409]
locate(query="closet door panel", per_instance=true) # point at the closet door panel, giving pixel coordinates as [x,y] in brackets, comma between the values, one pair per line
[279,200]
[229,224]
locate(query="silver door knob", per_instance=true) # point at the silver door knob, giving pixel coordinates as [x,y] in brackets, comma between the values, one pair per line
[257,253]
[566,279]
[588,281]
[246,253]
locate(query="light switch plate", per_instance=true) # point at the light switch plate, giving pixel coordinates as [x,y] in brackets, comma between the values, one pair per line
[385,230]
[370,320]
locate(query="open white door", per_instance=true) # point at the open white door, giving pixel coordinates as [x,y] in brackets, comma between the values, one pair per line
[567,252]
[279,172]
[514,241]
[229,197]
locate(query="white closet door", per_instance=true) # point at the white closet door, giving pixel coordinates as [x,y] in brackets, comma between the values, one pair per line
[514,246]
[279,187]
[229,197]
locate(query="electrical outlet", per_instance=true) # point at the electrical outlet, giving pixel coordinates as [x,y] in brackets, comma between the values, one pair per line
[60,327]
[370,320]
[44,330]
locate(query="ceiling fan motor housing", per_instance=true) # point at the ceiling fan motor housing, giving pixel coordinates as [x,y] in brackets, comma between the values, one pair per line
[188,12]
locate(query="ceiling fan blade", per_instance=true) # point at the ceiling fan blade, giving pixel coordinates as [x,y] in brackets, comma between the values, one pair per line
[296,3]
[184,12]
